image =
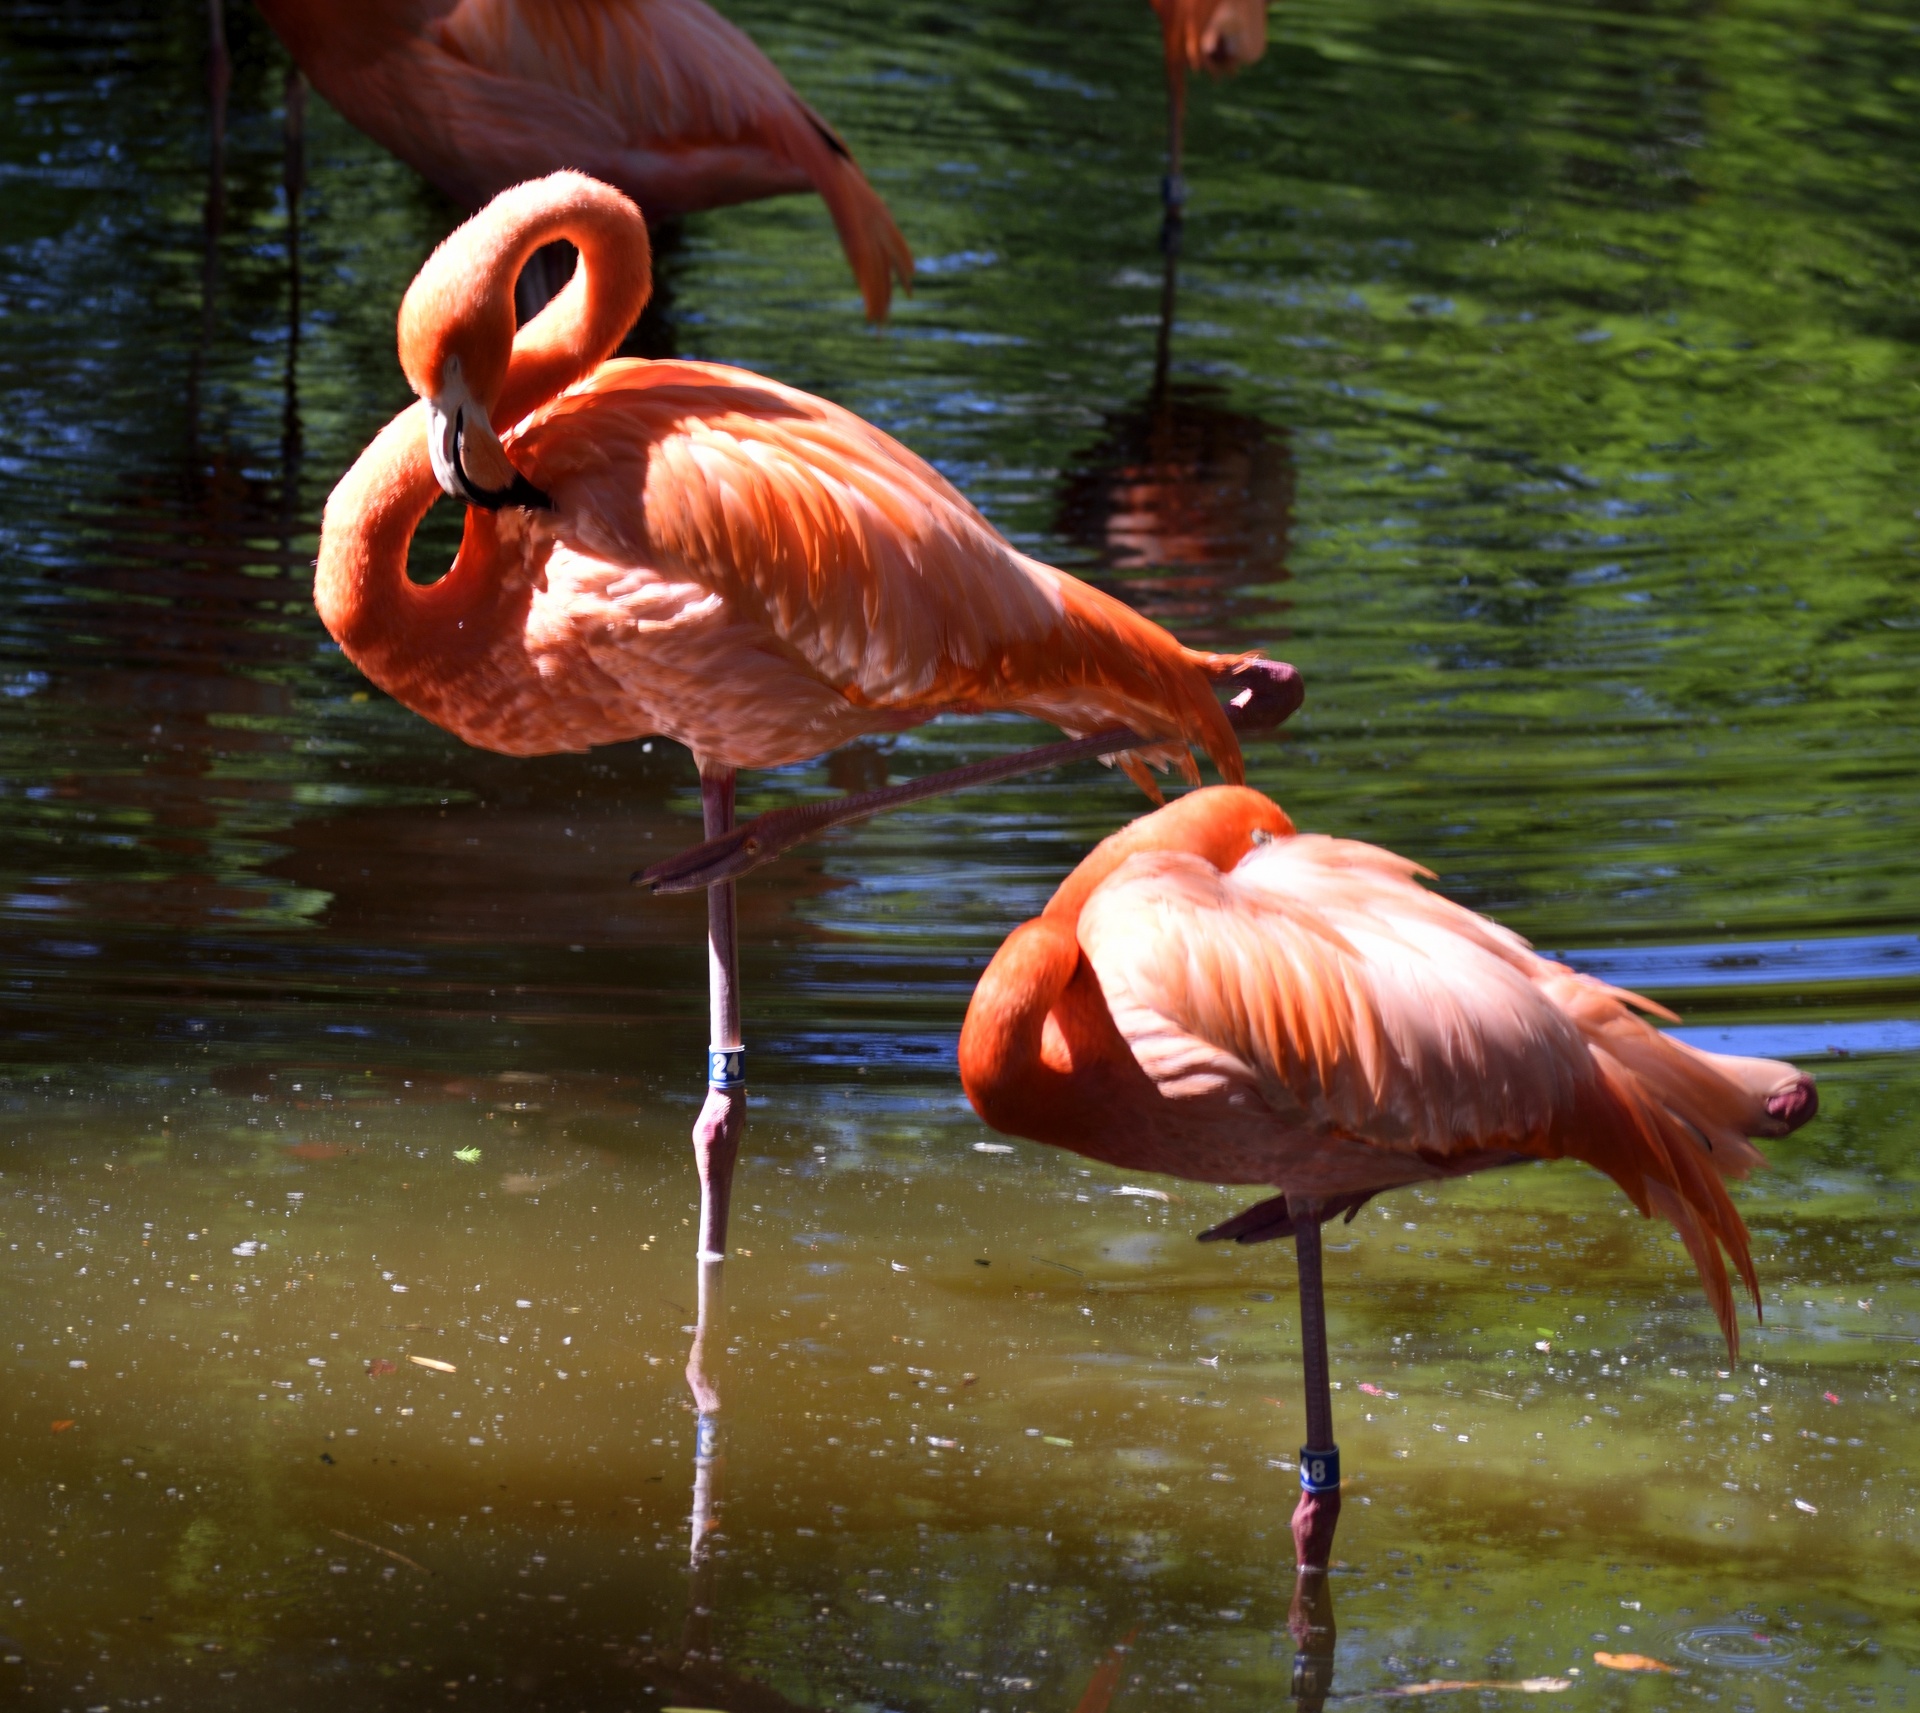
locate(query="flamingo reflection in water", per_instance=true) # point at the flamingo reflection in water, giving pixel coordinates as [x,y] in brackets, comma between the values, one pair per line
[1189,498]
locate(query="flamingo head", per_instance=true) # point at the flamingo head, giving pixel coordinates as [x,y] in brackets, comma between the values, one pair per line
[1222,823]
[456,341]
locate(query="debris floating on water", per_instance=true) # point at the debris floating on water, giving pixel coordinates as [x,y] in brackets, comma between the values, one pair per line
[1632,1662]
[434,1363]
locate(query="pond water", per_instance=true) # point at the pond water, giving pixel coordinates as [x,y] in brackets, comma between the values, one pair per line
[1542,383]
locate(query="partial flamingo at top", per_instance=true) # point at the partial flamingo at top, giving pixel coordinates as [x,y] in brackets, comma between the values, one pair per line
[1214,36]
[1214,995]
[694,551]
[663,98]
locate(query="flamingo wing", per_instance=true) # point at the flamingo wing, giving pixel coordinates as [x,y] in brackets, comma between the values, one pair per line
[849,556]
[704,117]
[1359,1002]
[1364,1007]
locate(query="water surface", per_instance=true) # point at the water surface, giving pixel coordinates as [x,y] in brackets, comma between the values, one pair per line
[1541,383]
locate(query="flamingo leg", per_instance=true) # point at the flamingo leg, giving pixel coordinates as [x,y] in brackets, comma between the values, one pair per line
[716,1134]
[295,165]
[1266,693]
[1319,1508]
[1173,188]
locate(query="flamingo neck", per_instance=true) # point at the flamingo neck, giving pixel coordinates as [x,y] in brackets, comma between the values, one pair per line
[413,639]
[461,302]
[407,637]
[1039,1051]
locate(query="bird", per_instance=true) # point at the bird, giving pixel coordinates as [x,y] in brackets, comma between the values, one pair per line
[1215,995]
[1214,36]
[687,550]
[663,98]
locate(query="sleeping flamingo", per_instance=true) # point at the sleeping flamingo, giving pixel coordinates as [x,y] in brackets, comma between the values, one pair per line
[663,98]
[1213,995]
[1215,36]
[697,552]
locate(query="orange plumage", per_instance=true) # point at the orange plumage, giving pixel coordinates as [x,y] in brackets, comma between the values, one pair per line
[1213,995]
[1212,35]
[663,98]
[728,562]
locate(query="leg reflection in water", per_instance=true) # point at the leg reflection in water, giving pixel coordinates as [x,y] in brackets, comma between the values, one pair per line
[1310,1620]
[693,1675]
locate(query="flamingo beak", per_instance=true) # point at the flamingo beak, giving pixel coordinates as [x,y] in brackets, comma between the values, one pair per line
[468,460]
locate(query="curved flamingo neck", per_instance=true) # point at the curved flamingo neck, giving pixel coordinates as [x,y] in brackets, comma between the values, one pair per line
[460,305]
[411,639]
[1040,1053]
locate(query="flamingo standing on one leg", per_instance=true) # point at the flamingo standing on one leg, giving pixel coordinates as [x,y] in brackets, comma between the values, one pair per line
[1213,995]
[1216,36]
[695,551]
[663,98]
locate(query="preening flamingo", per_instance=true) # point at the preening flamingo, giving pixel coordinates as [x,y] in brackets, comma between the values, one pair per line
[663,98]
[1215,36]
[1214,995]
[697,552]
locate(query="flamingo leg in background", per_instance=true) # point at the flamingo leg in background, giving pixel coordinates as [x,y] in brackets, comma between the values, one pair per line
[1266,694]
[1319,1508]
[716,1135]
[219,77]
[1173,188]
[295,94]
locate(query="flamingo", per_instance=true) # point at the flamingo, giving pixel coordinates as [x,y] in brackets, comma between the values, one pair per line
[663,98]
[1214,995]
[1214,36]
[693,551]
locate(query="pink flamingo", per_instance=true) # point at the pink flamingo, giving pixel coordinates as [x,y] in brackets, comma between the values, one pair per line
[698,552]
[663,98]
[1213,995]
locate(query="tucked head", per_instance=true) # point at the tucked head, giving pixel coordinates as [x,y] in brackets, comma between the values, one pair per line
[457,341]
[1221,824]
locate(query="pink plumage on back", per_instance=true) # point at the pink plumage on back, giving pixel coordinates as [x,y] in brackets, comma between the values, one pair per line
[1300,1011]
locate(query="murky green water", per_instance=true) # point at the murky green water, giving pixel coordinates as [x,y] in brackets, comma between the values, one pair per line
[1543,385]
